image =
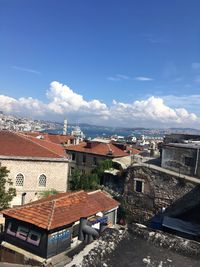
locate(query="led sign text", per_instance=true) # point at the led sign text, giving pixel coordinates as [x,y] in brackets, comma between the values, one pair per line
[25,234]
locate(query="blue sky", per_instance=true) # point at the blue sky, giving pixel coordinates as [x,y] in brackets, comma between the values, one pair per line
[144,55]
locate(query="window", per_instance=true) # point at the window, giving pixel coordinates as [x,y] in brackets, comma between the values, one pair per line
[84,159]
[73,156]
[23,198]
[75,230]
[19,180]
[189,161]
[71,170]
[139,185]
[95,161]
[42,180]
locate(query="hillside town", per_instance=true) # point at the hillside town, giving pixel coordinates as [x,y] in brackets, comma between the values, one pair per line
[99,133]
[59,205]
[18,123]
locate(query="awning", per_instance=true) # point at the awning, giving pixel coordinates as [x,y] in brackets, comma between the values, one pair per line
[181,226]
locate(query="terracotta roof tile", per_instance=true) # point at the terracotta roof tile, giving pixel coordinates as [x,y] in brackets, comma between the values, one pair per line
[20,145]
[62,209]
[54,138]
[98,148]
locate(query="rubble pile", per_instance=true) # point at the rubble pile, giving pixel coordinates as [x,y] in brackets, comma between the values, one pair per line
[105,245]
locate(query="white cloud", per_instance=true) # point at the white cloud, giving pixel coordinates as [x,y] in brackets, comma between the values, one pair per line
[123,77]
[143,79]
[185,100]
[118,77]
[189,102]
[152,110]
[26,70]
[154,39]
[64,102]
[22,106]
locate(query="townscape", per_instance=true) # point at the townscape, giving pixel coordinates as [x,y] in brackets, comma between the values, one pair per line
[99,133]
[67,190]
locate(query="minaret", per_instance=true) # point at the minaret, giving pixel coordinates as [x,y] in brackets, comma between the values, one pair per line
[65,127]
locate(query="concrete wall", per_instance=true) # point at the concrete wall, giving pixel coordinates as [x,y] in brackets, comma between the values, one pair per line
[160,191]
[173,158]
[178,138]
[55,172]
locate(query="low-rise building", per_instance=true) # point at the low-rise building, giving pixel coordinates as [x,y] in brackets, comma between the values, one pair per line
[86,155]
[50,226]
[149,189]
[34,165]
[182,158]
[181,138]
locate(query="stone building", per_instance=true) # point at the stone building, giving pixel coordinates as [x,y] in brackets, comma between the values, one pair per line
[86,155]
[34,165]
[150,189]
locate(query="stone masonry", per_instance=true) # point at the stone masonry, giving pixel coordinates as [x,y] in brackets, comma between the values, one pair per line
[160,190]
[56,173]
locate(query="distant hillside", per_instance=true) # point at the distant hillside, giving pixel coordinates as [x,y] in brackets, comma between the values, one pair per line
[12,122]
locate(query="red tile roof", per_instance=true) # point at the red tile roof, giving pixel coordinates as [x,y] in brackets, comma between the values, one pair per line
[54,138]
[19,145]
[98,148]
[62,209]
[132,151]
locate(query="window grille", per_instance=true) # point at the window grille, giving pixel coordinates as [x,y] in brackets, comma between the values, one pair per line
[42,180]
[19,180]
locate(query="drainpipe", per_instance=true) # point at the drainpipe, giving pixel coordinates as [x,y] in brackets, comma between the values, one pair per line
[197,159]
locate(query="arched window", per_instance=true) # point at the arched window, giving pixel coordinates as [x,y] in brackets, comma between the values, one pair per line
[42,180]
[19,180]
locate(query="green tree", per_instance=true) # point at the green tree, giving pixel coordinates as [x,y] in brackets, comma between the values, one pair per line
[49,192]
[6,195]
[75,180]
[91,180]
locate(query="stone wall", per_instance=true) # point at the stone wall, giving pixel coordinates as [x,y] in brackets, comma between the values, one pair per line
[160,191]
[55,172]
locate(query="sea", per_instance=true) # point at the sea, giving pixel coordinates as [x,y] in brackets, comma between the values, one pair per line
[91,132]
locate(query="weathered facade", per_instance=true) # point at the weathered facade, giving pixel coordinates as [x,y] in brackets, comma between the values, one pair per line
[54,171]
[86,155]
[182,158]
[50,226]
[34,165]
[180,138]
[85,162]
[148,191]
